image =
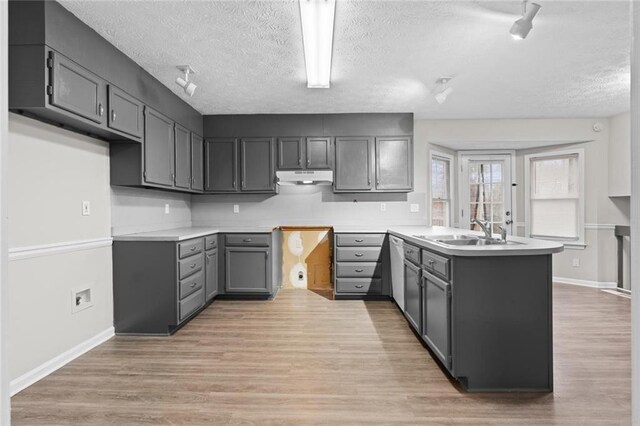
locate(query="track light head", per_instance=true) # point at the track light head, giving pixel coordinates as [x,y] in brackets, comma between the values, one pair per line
[523,26]
[442,91]
[188,87]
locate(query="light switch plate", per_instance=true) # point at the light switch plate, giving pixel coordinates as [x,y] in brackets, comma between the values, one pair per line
[415,208]
[383,207]
[236,208]
[86,208]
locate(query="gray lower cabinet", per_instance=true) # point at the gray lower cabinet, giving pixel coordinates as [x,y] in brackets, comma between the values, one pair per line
[360,264]
[197,163]
[158,148]
[248,264]
[126,113]
[158,285]
[413,295]
[211,273]
[182,155]
[77,90]
[436,316]
[394,164]
[354,157]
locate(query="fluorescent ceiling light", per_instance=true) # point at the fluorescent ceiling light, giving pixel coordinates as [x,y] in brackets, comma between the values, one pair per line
[522,26]
[317,18]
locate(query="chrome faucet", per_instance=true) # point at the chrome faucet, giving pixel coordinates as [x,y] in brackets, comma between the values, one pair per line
[483,225]
[503,233]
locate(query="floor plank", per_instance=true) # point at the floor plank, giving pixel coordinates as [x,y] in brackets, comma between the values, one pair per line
[304,359]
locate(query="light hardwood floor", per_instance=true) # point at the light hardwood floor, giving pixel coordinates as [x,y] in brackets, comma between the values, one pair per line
[303,359]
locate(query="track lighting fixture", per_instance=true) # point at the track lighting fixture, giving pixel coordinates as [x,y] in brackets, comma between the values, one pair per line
[442,89]
[522,26]
[186,85]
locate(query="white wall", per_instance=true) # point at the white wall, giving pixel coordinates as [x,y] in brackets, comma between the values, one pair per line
[142,210]
[598,260]
[51,172]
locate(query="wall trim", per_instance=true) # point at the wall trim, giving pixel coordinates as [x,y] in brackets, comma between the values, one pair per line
[600,226]
[19,253]
[585,283]
[43,370]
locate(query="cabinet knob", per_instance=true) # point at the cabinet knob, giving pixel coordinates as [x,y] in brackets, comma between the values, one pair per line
[368,181]
[100,110]
[431,262]
[193,265]
[359,241]
[193,248]
[234,183]
[359,254]
[299,161]
[359,286]
[193,285]
[359,270]
[113,115]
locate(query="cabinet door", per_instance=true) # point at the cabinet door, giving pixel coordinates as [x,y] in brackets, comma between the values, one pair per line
[197,161]
[247,270]
[318,153]
[353,164]
[394,164]
[182,157]
[290,153]
[257,165]
[211,273]
[220,163]
[437,317]
[125,113]
[158,148]
[413,296]
[77,90]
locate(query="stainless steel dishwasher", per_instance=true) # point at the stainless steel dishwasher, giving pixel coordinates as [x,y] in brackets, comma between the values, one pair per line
[397,270]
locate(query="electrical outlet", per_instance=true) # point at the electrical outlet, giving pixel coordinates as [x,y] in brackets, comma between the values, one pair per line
[80,299]
[576,262]
[86,208]
[415,208]
[167,209]
[383,207]
[236,208]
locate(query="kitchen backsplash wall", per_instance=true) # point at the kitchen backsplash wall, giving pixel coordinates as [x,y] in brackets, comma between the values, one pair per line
[141,210]
[308,205]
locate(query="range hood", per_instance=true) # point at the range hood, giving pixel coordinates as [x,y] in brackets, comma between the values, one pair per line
[304,177]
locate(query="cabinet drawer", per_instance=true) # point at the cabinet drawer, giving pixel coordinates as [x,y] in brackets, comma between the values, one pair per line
[190,266]
[189,248]
[211,242]
[256,240]
[359,239]
[358,285]
[191,284]
[435,264]
[191,304]
[353,269]
[358,254]
[412,253]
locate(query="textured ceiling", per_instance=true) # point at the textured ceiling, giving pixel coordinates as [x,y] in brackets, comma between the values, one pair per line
[387,55]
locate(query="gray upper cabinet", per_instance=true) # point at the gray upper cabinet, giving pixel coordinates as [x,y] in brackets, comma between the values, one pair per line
[197,162]
[354,156]
[125,113]
[77,90]
[257,164]
[394,164]
[182,157]
[221,165]
[318,153]
[290,153]
[158,148]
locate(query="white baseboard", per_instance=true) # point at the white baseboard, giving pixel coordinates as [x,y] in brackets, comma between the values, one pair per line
[585,283]
[40,372]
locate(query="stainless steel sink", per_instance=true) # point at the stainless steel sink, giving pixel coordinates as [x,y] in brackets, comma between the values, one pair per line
[465,240]
[446,237]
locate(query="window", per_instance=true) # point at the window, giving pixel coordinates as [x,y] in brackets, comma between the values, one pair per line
[554,196]
[440,189]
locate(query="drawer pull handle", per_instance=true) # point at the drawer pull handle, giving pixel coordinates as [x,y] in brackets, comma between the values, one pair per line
[431,262]
[194,265]
[409,251]
[359,286]
[193,285]
[359,241]
[247,240]
[359,254]
[359,270]
[193,248]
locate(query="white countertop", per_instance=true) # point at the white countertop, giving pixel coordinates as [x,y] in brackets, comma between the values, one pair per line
[527,246]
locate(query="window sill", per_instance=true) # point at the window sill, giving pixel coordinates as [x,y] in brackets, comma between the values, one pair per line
[574,246]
